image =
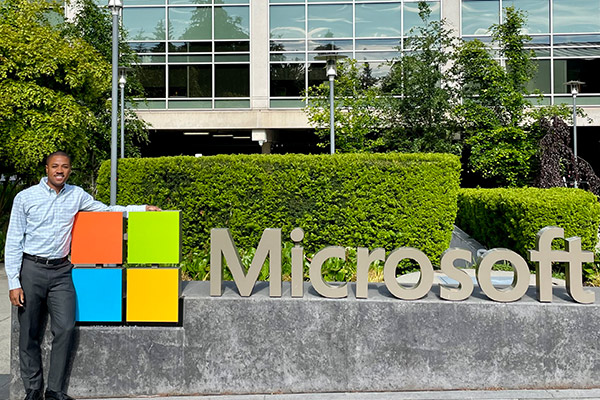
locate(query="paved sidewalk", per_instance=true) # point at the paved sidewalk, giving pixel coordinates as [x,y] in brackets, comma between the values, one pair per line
[442,395]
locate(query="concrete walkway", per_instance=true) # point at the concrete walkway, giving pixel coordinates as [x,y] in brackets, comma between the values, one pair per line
[422,395]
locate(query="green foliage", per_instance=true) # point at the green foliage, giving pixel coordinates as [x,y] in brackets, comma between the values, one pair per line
[504,154]
[94,25]
[46,84]
[370,200]
[502,148]
[511,218]
[359,110]
[424,90]
[8,191]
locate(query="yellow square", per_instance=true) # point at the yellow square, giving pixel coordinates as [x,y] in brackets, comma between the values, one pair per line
[152,295]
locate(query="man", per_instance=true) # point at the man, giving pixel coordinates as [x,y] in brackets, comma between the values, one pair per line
[39,271]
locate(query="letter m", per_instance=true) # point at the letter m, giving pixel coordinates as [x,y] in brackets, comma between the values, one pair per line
[221,244]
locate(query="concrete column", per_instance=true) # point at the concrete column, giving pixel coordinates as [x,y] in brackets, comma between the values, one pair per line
[451,11]
[259,54]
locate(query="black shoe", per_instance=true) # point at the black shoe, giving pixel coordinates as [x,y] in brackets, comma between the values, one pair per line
[34,394]
[52,395]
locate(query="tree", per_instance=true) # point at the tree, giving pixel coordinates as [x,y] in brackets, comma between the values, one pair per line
[47,83]
[359,112]
[501,146]
[424,89]
[94,25]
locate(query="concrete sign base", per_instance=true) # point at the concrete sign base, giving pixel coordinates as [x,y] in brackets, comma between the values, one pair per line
[231,344]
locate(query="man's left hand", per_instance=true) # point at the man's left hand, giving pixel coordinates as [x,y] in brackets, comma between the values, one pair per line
[152,208]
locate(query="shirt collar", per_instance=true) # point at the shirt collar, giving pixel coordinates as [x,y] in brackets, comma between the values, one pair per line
[44,185]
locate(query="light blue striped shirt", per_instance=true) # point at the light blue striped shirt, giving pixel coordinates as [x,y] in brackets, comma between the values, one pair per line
[41,222]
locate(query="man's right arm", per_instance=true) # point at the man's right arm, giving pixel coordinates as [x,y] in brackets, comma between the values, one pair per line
[13,250]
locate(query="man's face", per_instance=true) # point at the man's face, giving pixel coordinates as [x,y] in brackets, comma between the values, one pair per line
[58,169]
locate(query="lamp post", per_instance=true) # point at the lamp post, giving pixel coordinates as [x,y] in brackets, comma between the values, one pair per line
[115,8]
[575,86]
[122,82]
[331,71]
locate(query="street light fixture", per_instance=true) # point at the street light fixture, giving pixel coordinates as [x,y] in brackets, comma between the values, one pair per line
[575,87]
[122,81]
[115,8]
[331,71]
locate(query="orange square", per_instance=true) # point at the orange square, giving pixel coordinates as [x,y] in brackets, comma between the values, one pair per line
[97,238]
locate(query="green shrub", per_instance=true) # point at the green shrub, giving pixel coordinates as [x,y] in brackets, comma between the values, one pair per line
[371,200]
[511,218]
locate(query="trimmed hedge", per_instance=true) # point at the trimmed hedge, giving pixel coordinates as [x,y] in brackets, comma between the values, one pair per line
[511,218]
[371,200]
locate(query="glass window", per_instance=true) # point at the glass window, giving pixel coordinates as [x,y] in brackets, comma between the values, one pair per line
[148,47]
[537,13]
[412,18]
[287,22]
[287,80]
[136,2]
[190,81]
[190,47]
[152,78]
[541,80]
[576,16]
[191,23]
[377,44]
[320,45]
[145,23]
[479,15]
[186,1]
[294,45]
[330,21]
[232,80]
[316,74]
[229,47]
[584,70]
[232,23]
[378,19]
[577,40]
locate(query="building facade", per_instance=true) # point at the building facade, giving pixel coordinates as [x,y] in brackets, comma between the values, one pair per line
[227,76]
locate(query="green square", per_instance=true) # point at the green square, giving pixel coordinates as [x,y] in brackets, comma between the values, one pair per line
[154,237]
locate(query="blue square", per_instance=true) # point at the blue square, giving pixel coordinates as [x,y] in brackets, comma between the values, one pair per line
[99,293]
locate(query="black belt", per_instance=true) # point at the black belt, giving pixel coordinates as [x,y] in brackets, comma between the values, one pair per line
[42,260]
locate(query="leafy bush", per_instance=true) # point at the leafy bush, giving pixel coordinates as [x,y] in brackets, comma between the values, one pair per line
[370,200]
[511,218]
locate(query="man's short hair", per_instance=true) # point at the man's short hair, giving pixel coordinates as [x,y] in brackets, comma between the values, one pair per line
[57,153]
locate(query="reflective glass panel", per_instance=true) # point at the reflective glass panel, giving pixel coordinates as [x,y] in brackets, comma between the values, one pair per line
[541,80]
[294,45]
[228,47]
[190,81]
[378,70]
[187,1]
[479,15]
[537,14]
[376,55]
[287,22]
[145,23]
[330,21]
[576,16]
[148,47]
[317,45]
[285,1]
[232,1]
[190,47]
[287,80]
[232,22]
[412,18]
[137,2]
[152,78]
[232,80]
[316,74]
[377,44]
[577,70]
[577,40]
[378,20]
[288,57]
[191,23]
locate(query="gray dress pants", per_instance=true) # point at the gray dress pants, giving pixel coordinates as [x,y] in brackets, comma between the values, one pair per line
[46,287]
